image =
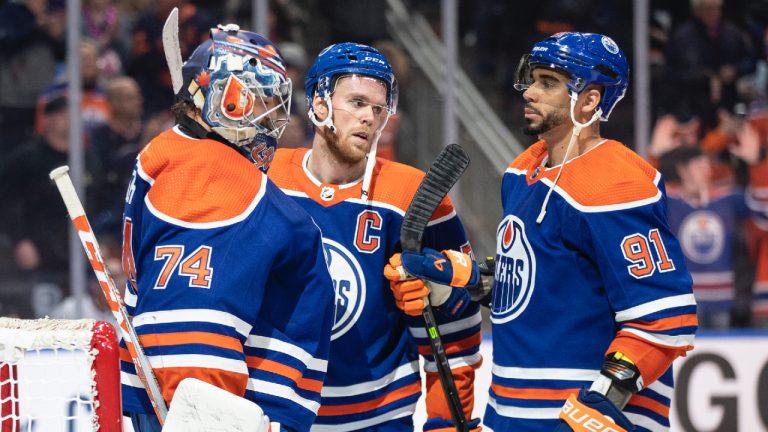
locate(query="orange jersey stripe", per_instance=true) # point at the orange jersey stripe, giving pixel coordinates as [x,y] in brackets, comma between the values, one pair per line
[169,379]
[454,347]
[286,371]
[125,355]
[183,338]
[648,403]
[666,323]
[533,393]
[360,407]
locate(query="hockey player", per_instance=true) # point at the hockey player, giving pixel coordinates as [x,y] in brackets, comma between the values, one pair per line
[591,301]
[228,282]
[373,379]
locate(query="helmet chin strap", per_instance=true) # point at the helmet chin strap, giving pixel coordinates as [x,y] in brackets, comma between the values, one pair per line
[370,162]
[328,120]
[577,127]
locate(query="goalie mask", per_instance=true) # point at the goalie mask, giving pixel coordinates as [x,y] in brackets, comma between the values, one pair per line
[344,59]
[237,80]
[587,58]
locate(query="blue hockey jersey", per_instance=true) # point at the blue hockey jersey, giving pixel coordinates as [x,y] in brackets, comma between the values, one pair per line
[373,379]
[227,280]
[601,273]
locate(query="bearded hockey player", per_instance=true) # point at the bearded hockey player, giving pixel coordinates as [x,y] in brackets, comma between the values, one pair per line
[592,300]
[358,202]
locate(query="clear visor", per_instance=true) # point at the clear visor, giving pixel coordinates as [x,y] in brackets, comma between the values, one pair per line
[524,73]
[390,104]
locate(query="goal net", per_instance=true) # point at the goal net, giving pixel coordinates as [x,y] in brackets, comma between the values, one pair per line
[59,375]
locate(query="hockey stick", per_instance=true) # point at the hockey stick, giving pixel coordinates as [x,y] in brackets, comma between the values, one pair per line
[76,212]
[172,49]
[442,175]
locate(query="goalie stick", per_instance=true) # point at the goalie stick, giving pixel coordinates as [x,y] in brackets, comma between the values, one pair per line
[442,175]
[76,212]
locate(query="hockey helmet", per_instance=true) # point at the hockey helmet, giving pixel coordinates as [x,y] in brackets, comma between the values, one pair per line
[344,59]
[587,58]
[238,81]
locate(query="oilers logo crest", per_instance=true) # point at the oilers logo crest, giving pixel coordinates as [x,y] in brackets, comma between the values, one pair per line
[515,271]
[702,236]
[349,284]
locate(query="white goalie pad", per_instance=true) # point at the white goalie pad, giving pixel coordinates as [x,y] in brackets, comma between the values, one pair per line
[201,407]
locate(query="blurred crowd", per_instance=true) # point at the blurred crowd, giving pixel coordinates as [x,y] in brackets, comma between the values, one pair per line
[709,92]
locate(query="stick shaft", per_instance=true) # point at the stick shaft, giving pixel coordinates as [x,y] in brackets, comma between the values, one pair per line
[444,172]
[111,293]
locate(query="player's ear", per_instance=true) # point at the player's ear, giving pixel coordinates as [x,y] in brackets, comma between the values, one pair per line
[320,108]
[590,99]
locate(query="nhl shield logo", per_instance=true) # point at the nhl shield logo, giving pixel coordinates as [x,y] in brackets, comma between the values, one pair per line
[326,193]
[349,284]
[515,271]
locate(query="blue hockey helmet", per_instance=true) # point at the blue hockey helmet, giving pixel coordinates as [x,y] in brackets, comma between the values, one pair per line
[238,81]
[349,59]
[587,58]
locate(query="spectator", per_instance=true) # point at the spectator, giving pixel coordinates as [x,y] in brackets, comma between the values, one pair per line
[101,23]
[709,48]
[147,59]
[93,106]
[709,223]
[32,209]
[94,305]
[31,47]
[114,148]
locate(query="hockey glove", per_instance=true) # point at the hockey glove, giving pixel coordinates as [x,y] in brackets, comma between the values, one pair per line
[591,411]
[450,267]
[438,424]
[410,292]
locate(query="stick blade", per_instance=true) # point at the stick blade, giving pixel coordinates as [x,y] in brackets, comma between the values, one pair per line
[172,49]
[444,172]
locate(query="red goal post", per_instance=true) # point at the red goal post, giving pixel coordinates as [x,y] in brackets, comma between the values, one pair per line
[59,375]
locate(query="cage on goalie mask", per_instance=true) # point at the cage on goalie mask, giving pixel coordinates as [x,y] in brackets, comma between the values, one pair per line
[238,81]
[587,58]
[345,59]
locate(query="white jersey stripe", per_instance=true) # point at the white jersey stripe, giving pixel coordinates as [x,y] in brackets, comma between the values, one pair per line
[198,361]
[454,363]
[130,298]
[662,389]
[546,373]
[405,370]
[655,306]
[646,422]
[279,390]
[277,345]
[131,380]
[193,315]
[363,424]
[448,328]
[523,413]
[661,339]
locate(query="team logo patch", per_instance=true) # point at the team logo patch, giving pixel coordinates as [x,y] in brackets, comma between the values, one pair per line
[610,45]
[702,236]
[515,271]
[349,284]
[326,193]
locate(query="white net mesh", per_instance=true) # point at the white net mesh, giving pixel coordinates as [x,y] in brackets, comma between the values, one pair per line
[46,379]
